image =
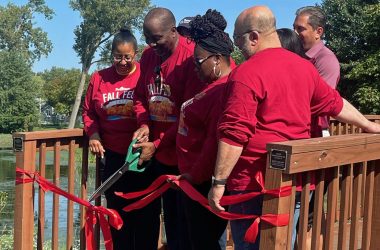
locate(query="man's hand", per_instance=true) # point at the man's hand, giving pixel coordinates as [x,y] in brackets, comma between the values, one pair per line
[372,127]
[147,151]
[214,195]
[142,134]
[96,146]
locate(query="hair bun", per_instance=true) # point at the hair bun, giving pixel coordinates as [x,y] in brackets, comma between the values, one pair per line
[124,29]
[214,17]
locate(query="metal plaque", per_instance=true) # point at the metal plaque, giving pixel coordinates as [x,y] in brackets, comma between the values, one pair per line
[17,144]
[278,159]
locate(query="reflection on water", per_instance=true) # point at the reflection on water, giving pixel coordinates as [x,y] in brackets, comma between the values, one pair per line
[7,184]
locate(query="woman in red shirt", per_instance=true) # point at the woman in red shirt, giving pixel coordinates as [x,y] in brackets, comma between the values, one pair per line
[109,121]
[196,138]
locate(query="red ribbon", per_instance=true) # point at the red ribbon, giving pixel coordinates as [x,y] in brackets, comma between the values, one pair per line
[164,182]
[93,213]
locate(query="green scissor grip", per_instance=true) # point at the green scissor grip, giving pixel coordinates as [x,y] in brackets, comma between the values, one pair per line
[133,158]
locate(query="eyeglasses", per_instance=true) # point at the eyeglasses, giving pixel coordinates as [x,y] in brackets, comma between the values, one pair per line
[237,37]
[157,79]
[198,61]
[120,57]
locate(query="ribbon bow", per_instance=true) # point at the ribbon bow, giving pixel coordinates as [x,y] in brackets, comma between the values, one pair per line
[92,212]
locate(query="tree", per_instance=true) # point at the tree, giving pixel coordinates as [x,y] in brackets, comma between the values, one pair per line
[59,88]
[101,20]
[353,33]
[18,92]
[18,31]
[237,56]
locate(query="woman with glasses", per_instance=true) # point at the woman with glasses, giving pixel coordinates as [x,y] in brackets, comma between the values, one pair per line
[196,137]
[109,122]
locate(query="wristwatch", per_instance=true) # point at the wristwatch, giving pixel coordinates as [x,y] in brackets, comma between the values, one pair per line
[221,182]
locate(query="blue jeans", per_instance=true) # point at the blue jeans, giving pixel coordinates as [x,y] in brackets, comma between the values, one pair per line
[296,217]
[239,227]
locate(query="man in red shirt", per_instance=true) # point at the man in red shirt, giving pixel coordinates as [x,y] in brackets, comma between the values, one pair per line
[167,79]
[310,25]
[270,98]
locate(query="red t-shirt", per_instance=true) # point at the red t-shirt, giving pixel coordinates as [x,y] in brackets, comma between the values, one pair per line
[271,98]
[108,108]
[158,105]
[197,142]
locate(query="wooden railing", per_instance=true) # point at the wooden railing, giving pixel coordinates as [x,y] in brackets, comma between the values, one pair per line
[27,145]
[339,128]
[320,157]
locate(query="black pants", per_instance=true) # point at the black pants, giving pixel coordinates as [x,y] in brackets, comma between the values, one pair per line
[141,227]
[206,230]
[177,236]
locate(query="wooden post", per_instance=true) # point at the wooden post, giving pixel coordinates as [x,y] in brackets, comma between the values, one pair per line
[24,210]
[272,237]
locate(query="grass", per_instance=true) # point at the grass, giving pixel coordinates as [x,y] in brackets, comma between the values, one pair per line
[5,140]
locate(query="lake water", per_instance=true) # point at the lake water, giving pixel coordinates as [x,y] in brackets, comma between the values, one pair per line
[7,184]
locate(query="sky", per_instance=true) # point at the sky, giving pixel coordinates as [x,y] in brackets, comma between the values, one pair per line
[60,28]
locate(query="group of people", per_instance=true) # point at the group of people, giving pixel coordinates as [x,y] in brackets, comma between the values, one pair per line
[197,115]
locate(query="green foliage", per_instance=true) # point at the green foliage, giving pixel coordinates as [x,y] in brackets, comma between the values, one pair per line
[101,20]
[18,92]
[368,98]
[237,56]
[59,87]
[3,200]
[5,142]
[18,31]
[353,33]
[6,239]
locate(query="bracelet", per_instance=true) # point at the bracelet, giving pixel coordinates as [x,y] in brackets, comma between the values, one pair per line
[221,182]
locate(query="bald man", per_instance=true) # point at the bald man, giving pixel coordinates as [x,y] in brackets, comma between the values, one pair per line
[270,98]
[167,79]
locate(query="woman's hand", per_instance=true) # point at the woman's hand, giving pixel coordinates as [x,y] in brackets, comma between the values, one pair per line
[95,145]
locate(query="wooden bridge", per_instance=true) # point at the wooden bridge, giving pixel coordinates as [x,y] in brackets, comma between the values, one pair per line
[346,165]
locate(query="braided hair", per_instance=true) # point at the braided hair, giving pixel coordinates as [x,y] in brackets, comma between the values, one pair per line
[207,31]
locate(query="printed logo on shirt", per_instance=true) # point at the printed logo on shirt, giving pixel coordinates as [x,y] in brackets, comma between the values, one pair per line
[161,108]
[119,104]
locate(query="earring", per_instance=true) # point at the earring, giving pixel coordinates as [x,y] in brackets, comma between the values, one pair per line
[214,70]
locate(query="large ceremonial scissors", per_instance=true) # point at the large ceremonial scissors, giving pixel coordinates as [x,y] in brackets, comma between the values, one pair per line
[131,164]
